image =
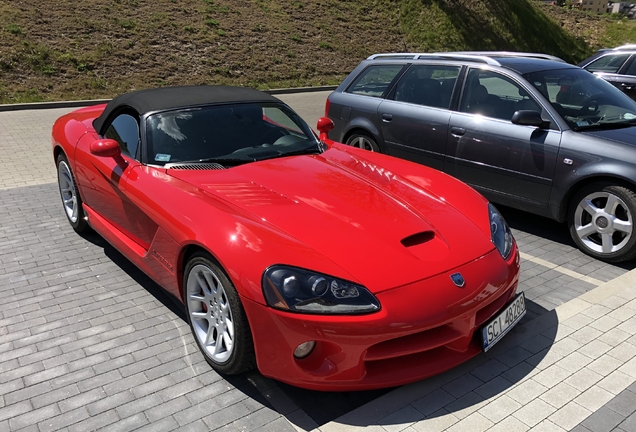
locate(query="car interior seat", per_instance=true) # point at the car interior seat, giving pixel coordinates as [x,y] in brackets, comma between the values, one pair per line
[478,101]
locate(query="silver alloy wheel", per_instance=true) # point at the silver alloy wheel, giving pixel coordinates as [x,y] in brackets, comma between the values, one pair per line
[362,142]
[67,191]
[210,313]
[603,222]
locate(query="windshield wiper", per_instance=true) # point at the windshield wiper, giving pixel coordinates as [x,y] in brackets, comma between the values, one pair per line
[307,151]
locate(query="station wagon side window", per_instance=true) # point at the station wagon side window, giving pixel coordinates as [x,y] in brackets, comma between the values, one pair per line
[427,85]
[608,63]
[374,80]
[631,70]
[494,95]
[125,130]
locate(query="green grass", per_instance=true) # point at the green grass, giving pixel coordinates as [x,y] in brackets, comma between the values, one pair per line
[95,49]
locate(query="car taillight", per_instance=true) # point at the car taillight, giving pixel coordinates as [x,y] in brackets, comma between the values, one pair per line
[327,104]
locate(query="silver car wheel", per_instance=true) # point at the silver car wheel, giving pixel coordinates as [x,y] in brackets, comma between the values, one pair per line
[67,191]
[603,222]
[362,141]
[210,313]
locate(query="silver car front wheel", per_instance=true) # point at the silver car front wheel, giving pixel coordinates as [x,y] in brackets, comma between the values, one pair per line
[216,316]
[602,222]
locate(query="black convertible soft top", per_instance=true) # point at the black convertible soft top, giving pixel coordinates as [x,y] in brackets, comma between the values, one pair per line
[166,98]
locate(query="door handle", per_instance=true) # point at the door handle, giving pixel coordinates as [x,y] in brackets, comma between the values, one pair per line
[458,131]
[387,117]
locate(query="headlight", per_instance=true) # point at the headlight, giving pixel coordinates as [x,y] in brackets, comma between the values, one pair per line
[299,290]
[499,232]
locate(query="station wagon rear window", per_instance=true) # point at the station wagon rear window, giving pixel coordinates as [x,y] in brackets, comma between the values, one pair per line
[374,80]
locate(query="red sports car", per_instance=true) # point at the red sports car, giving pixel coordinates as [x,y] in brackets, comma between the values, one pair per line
[325,266]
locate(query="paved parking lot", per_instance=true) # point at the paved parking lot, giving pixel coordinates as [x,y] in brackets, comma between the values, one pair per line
[88,342]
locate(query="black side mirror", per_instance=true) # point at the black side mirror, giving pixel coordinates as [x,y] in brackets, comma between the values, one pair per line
[527,118]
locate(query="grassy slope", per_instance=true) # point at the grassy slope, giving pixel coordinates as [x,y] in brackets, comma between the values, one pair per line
[64,49]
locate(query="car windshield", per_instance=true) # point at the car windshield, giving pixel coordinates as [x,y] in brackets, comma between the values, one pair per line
[227,134]
[584,100]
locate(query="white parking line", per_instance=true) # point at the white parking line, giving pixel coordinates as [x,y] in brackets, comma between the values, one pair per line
[563,270]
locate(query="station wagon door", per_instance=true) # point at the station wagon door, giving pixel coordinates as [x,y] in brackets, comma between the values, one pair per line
[511,164]
[414,118]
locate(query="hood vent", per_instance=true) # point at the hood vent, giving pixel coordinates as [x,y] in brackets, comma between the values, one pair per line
[195,166]
[418,239]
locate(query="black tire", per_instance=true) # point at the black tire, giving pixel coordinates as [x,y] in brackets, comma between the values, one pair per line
[364,141]
[208,312]
[601,219]
[71,199]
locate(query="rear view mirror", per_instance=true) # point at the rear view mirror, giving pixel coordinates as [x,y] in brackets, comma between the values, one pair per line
[105,148]
[325,124]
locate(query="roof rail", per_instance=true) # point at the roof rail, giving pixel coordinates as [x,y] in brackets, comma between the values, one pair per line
[444,56]
[509,54]
[625,47]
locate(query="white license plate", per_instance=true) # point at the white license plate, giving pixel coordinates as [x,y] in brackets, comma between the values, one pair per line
[494,330]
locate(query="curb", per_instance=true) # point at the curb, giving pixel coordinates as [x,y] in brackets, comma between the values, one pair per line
[83,103]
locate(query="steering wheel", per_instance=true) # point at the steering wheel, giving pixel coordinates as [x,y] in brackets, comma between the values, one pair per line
[591,105]
[273,136]
[287,140]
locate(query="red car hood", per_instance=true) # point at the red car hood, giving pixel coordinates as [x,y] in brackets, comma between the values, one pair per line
[381,229]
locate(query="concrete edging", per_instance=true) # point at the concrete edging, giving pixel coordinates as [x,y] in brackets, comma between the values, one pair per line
[83,103]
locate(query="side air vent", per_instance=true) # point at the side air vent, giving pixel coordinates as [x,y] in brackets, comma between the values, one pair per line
[418,239]
[197,166]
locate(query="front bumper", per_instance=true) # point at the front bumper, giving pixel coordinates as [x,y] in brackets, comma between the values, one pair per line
[422,329]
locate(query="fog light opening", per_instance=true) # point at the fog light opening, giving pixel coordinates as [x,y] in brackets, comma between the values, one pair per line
[304,349]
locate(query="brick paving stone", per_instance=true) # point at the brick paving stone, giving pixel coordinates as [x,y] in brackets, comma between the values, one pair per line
[54,396]
[552,375]
[127,424]
[463,385]
[196,412]
[604,365]
[226,416]
[466,405]
[624,403]
[26,393]
[473,423]
[569,416]
[168,408]
[165,424]
[110,402]
[629,424]
[527,391]
[500,408]
[33,417]
[278,425]
[560,394]
[63,420]
[547,426]
[629,368]
[534,412]
[603,420]
[595,349]
[593,398]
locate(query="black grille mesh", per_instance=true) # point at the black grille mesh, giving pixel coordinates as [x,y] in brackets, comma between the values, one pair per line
[197,166]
